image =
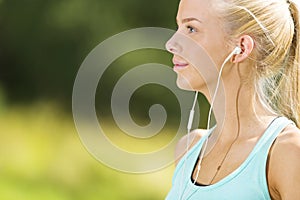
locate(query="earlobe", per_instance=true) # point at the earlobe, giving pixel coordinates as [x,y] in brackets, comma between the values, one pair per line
[246,44]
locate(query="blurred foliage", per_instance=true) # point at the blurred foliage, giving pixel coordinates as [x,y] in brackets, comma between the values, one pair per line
[43,42]
[42,158]
[42,45]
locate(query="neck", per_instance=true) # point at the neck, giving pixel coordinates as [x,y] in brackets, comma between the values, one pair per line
[235,113]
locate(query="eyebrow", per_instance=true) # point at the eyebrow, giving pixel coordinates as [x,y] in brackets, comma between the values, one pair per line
[188,20]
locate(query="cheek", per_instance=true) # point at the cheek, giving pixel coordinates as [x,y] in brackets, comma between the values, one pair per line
[215,46]
[217,51]
[204,59]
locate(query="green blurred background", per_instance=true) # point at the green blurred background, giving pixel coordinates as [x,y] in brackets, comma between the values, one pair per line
[42,45]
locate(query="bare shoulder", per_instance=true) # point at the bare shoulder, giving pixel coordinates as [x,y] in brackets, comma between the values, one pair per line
[288,144]
[285,164]
[181,146]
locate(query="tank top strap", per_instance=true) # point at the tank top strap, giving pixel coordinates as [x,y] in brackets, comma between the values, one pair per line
[271,133]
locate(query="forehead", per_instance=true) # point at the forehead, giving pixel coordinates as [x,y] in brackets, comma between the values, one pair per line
[200,9]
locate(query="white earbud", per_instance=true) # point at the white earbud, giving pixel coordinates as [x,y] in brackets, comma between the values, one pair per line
[237,50]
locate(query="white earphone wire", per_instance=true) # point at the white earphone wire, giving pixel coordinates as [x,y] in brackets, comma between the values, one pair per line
[237,50]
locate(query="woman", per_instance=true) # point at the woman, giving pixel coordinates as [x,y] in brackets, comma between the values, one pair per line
[255,153]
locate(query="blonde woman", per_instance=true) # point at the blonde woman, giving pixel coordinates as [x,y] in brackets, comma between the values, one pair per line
[255,154]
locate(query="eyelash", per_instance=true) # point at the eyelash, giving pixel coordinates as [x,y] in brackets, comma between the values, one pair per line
[189,29]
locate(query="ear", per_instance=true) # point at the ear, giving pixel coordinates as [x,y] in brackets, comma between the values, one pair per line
[246,44]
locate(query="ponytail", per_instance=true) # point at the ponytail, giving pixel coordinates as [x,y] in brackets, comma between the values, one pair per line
[278,88]
[290,92]
[276,71]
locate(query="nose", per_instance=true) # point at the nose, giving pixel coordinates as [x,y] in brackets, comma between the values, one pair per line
[172,45]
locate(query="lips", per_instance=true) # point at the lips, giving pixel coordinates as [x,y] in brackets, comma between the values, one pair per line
[179,64]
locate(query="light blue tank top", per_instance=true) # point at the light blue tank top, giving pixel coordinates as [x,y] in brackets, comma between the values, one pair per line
[247,182]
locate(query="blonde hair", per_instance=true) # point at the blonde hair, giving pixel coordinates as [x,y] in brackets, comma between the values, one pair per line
[274,27]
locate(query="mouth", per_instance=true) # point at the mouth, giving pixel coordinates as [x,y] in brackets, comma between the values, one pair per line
[179,64]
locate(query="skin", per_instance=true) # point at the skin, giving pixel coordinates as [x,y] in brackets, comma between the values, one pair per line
[243,124]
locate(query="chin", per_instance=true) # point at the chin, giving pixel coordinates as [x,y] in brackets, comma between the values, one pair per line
[188,85]
[184,84]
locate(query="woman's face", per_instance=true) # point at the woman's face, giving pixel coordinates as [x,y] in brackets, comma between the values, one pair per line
[199,45]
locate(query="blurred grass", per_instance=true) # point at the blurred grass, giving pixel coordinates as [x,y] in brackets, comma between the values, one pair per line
[41,157]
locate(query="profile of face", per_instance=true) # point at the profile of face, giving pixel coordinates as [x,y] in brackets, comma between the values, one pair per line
[199,46]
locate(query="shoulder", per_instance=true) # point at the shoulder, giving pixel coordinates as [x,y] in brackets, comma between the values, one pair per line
[185,141]
[285,164]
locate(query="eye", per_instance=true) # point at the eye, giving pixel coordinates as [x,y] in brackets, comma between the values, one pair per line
[191,29]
